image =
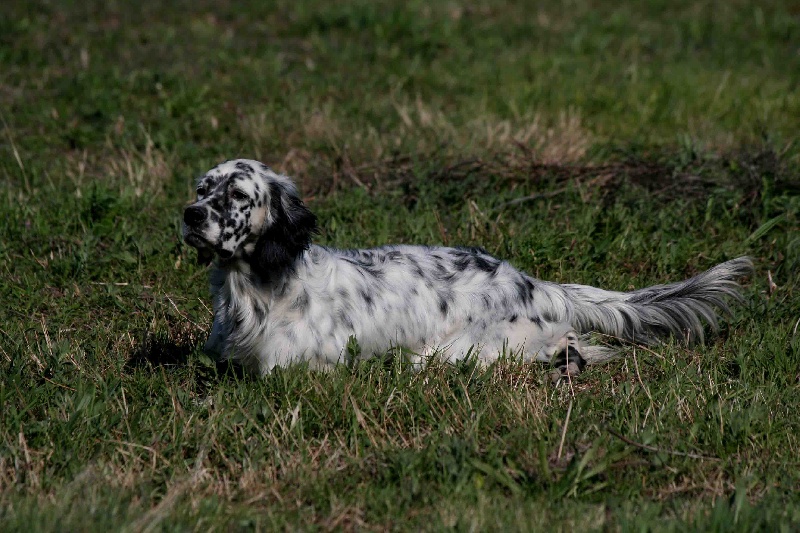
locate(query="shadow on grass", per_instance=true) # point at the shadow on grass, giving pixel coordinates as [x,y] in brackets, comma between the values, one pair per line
[670,175]
[162,349]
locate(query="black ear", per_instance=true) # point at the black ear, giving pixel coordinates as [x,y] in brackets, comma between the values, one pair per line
[289,235]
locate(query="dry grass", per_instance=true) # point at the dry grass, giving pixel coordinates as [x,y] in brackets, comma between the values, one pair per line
[322,141]
[142,172]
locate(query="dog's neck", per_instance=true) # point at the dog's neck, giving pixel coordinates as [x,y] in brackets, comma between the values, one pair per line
[241,279]
[242,293]
[240,304]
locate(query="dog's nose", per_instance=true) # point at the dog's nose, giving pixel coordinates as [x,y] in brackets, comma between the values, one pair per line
[194,215]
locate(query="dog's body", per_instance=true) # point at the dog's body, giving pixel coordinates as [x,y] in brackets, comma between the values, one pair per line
[279,299]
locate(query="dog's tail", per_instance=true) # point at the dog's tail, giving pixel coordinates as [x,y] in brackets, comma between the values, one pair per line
[647,315]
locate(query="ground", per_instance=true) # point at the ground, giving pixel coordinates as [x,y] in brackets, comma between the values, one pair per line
[606,143]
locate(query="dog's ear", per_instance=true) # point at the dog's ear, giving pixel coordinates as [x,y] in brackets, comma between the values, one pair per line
[287,236]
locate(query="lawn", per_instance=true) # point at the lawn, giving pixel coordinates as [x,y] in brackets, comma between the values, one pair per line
[617,145]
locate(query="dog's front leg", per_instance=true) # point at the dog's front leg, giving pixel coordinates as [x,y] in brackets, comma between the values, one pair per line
[215,345]
[220,330]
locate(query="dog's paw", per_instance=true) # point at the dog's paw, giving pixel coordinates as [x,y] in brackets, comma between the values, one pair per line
[568,363]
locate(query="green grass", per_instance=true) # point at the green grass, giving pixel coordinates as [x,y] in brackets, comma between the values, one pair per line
[662,138]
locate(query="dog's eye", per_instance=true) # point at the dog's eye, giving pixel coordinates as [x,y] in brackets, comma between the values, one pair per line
[201,191]
[239,195]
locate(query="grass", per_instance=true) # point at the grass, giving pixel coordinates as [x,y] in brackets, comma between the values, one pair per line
[654,139]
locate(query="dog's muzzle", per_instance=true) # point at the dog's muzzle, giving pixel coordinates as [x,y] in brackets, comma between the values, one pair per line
[193,218]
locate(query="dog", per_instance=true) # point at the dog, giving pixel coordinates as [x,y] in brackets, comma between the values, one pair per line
[278,298]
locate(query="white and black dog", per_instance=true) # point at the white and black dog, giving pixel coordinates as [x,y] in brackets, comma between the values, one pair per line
[278,298]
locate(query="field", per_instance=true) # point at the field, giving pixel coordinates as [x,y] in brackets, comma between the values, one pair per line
[618,145]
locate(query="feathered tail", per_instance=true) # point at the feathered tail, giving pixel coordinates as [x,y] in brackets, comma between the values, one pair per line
[647,315]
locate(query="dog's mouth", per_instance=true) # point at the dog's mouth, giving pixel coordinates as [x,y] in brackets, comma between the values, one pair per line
[196,240]
[205,249]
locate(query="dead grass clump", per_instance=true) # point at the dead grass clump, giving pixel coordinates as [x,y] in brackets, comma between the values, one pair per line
[322,151]
[554,140]
[141,171]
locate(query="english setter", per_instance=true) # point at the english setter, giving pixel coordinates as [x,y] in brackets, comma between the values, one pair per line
[277,298]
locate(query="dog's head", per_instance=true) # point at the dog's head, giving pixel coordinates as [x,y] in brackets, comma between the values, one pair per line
[245,211]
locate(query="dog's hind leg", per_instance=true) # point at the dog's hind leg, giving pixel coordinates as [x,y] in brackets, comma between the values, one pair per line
[559,345]
[568,362]
[566,354]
